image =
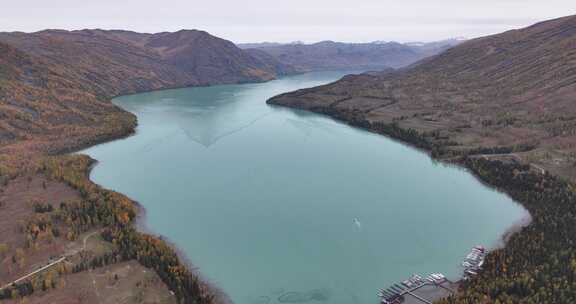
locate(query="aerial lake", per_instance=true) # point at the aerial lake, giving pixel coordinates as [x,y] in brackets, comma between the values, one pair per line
[275,205]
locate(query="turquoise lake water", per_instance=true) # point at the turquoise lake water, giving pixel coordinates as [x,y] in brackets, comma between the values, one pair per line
[263,199]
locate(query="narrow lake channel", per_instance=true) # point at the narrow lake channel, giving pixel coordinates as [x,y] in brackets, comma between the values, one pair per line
[281,206]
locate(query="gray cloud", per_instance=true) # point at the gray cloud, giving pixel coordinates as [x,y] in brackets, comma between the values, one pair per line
[308,20]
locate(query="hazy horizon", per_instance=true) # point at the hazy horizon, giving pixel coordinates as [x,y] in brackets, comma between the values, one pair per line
[254,21]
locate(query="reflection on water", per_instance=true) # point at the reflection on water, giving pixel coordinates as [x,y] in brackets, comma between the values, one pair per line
[210,116]
[209,136]
[308,126]
[214,112]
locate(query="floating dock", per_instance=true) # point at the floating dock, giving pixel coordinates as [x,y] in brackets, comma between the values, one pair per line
[474,261]
[395,293]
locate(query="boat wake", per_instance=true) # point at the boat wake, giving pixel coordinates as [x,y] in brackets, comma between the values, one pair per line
[357,224]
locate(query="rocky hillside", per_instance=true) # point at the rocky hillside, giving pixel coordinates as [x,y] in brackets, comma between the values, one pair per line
[55,85]
[329,55]
[513,92]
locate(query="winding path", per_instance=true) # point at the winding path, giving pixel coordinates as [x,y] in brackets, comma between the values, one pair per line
[60,260]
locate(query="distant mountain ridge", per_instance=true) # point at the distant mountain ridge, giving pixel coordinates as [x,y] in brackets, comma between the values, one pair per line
[330,55]
[56,82]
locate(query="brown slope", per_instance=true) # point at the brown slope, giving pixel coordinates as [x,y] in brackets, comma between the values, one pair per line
[515,89]
[44,107]
[208,58]
[128,62]
[109,66]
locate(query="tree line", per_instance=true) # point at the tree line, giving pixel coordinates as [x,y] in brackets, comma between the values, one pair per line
[115,213]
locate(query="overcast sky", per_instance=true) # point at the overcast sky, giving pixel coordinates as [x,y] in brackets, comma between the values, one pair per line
[288,20]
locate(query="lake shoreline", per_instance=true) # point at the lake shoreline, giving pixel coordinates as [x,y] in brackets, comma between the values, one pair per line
[142,225]
[356,121]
